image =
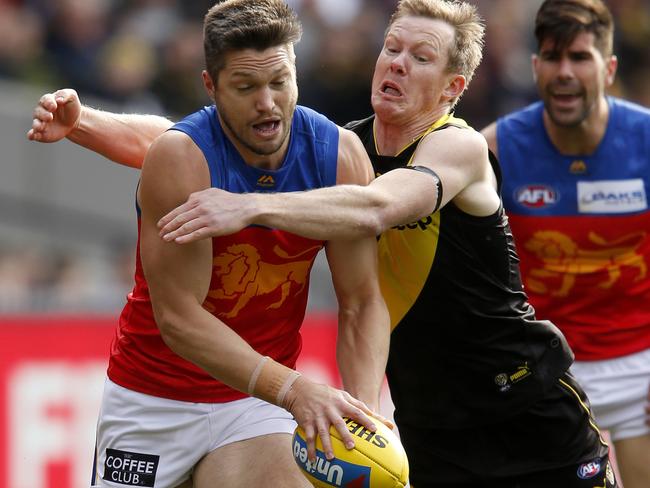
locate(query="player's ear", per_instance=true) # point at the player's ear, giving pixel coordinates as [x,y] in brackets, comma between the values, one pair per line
[455,87]
[535,64]
[208,84]
[611,64]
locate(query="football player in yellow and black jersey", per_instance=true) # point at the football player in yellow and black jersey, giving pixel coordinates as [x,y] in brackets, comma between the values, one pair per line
[480,385]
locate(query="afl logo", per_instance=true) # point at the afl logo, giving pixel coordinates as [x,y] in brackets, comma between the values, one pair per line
[589,470]
[536,196]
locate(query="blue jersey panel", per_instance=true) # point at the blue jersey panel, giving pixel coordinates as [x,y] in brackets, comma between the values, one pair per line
[613,180]
[310,161]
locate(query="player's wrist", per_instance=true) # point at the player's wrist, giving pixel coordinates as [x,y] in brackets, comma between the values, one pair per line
[272,382]
[77,128]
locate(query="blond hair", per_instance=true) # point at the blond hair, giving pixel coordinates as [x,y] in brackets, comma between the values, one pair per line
[466,52]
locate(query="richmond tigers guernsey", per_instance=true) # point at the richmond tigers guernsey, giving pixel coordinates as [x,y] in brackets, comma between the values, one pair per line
[466,348]
[260,276]
[582,225]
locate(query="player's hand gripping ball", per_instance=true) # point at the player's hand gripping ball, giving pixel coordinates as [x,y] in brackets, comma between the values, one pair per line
[378,459]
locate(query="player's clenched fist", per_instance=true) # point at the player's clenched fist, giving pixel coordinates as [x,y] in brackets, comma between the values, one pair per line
[56,115]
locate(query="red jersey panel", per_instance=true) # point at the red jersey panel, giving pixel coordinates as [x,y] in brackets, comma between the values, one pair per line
[260,280]
[573,266]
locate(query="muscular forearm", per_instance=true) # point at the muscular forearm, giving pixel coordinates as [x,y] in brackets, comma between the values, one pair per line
[362,350]
[199,337]
[349,211]
[342,212]
[123,138]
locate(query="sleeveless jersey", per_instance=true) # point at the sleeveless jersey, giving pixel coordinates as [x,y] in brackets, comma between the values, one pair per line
[465,348]
[582,227]
[260,276]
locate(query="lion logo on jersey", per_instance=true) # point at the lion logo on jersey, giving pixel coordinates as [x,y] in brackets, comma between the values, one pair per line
[562,258]
[244,275]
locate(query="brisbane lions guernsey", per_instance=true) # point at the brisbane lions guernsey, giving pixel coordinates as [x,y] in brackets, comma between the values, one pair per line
[465,348]
[582,227]
[260,276]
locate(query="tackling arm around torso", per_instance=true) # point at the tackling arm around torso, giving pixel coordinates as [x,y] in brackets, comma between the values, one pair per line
[459,157]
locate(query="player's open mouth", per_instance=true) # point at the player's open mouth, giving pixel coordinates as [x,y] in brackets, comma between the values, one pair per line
[566,98]
[267,128]
[391,89]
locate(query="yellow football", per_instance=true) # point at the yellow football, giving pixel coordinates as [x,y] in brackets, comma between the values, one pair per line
[378,459]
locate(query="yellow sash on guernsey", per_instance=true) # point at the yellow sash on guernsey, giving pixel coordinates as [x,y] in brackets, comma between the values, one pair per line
[406,252]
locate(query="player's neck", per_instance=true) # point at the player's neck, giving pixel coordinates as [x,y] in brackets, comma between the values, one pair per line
[392,137]
[582,139]
[268,162]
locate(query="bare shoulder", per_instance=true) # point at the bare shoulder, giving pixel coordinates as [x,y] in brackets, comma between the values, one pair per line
[353,165]
[454,145]
[490,134]
[176,149]
[174,167]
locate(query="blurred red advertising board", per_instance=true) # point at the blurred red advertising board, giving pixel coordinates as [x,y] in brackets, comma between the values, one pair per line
[52,373]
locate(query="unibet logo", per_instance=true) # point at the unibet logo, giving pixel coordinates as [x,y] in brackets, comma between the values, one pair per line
[536,196]
[335,472]
[266,181]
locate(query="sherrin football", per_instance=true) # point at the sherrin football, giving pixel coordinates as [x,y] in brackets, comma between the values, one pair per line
[378,459]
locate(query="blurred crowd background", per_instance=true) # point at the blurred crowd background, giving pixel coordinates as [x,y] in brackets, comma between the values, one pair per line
[67,225]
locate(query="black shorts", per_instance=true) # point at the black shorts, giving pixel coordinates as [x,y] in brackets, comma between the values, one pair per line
[566,477]
[554,443]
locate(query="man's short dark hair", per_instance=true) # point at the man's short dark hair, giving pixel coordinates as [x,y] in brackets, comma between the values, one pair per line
[234,25]
[563,20]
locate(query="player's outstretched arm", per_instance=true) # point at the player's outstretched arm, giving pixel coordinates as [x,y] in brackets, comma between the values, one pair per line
[123,138]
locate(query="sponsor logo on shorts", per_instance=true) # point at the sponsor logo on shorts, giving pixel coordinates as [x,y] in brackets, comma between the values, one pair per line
[589,470]
[130,468]
[335,472]
[505,380]
[536,196]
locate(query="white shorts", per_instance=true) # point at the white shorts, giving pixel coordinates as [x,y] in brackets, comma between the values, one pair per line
[618,392]
[148,441]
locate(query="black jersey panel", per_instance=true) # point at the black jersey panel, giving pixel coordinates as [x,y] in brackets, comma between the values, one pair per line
[466,348]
